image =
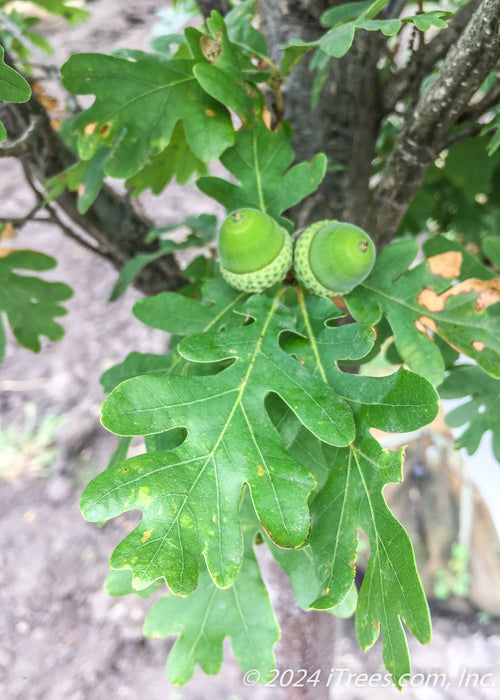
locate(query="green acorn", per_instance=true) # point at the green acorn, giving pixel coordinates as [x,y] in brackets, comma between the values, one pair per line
[255,252]
[332,257]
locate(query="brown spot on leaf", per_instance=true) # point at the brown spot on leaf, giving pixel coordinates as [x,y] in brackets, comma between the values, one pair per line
[210,48]
[267,117]
[430,300]
[446,265]
[425,324]
[488,292]
[104,130]
[477,345]
[90,128]
[260,470]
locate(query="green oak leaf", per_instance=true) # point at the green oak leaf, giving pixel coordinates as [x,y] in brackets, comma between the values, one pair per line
[491,248]
[200,622]
[346,12]
[201,232]
[30,303]
[177,161]
[418,302]
[470,265]
[119,583]
[85,177]
[229,76]
[13,87]
[260,159]
[64,8]
[180,315]
[189,496]
[351,481]
[242,32]
[391,592]
[137,105]
[480,413]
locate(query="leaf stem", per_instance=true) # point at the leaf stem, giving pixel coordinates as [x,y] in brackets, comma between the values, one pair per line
[310,334]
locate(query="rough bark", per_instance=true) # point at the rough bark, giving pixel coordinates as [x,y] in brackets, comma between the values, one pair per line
[344,124]
[428,126]
[206,6]
[111,221]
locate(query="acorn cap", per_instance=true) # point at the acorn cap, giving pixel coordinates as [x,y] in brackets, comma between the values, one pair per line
[332,257]
[255,251]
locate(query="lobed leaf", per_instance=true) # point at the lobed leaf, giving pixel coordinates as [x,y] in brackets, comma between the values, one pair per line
[423,301]
[480,413]
[242,612]
[350,492]
[260,159]
[189,496]
[137,105]
[30,303]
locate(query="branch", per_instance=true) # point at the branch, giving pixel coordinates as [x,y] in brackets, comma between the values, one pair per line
[427,128]
[20,145]
[425,58]
[206,7]
[477,109]
[111,221]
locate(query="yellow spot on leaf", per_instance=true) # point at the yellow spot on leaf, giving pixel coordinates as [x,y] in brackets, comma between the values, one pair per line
[143,499]
[210,112]
[260,470]
[477,345]
[146,535]
[446,265]
[90,129]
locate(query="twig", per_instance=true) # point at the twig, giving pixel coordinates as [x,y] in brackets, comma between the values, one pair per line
[18,147]
[469,133]
[426,57]
[489,100]
[427,127]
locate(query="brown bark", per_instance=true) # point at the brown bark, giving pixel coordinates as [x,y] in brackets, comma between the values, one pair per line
[344,124]
[428,127]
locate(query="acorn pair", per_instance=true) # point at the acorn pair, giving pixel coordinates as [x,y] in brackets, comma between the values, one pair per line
[330,257]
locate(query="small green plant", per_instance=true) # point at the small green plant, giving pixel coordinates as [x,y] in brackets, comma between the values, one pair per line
[455,579]
[29,449]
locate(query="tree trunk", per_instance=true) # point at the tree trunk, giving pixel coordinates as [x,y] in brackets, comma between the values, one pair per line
[344,126]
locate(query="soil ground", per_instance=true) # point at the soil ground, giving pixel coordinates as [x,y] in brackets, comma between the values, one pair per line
[61,636]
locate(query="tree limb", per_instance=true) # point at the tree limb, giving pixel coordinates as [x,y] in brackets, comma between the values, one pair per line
[344,125]
[111,221]
[477,109]
[428,126]
[206,7]
[425,58]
